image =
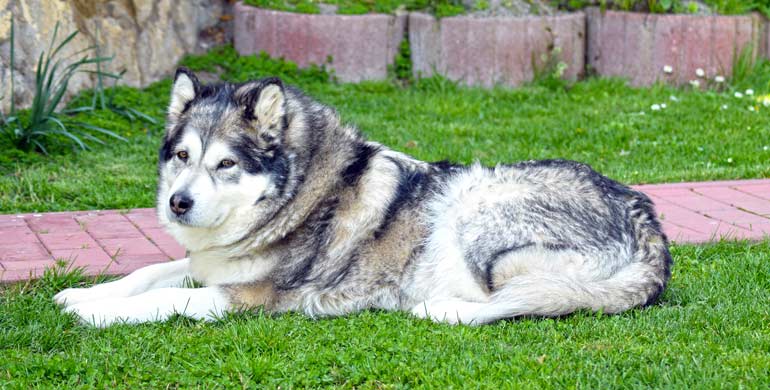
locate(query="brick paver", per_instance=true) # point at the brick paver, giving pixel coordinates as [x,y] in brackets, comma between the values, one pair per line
[116,242]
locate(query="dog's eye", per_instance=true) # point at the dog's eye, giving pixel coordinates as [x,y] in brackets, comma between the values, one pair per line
[182,155]
[226,163]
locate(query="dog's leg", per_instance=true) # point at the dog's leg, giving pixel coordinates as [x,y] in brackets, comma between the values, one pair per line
[206,303]
[252,295]
[169,274]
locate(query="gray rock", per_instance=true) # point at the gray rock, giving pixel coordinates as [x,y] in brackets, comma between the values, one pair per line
[146,37]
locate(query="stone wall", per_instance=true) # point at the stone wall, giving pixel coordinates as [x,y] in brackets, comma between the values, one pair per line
[359,47]
[639,46]
[146,37]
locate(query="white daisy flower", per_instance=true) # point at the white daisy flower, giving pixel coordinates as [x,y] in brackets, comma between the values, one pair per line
[655,107]
[719,79]
[695,83]
[699,72]
[668,69]
[749,92]
[738,94]
[662,105]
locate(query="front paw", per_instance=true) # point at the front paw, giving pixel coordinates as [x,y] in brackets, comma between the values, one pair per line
[104,313]
[74,296]
[93,313]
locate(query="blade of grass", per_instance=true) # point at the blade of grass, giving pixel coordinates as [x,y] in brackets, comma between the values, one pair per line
[143,116]
[99,130]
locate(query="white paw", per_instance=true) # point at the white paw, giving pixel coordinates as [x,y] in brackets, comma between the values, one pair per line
[110,290]
[451,311]
[156,305]
[73,296]
[99,313]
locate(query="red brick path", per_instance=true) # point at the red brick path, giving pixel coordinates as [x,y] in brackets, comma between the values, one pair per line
[113,242]
[109,242]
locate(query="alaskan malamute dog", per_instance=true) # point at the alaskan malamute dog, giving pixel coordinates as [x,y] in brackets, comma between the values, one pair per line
[283,207]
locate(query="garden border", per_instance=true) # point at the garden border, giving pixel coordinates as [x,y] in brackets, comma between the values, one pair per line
[488,51]
[360,47]
[642,45]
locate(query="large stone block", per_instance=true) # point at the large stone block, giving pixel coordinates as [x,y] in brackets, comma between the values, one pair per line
[489,51]
[147,38]
[356,47]
[639,46]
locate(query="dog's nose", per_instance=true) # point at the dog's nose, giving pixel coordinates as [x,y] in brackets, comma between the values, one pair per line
[180,203]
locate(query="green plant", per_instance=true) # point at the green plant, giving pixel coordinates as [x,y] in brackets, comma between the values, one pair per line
[35,127]
[440,8]
[234,67]
[350,8]
[481,5]
[549,68]
[733,7]
[660,6]
[401,70]
[299,6]
[744,63]
[652,6]
[763,6]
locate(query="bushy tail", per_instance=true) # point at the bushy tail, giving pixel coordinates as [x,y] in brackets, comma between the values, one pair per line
[637,284]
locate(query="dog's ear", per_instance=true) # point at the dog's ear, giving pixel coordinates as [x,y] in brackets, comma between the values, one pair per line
[186,87]
[265,107]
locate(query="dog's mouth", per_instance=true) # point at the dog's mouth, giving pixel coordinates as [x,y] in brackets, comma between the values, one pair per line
[183,219]
[186,220]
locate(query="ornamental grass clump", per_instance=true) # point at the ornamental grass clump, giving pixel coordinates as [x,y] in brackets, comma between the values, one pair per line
[44,123]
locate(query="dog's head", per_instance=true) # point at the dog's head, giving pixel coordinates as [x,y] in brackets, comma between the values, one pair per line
[222,163]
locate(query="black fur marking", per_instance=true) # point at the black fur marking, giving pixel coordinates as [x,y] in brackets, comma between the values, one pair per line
[337,277]
[356,169]
[250,157]
[593,229]
[446,166]
[299,271]
[255,161]
[279,168]
[166,152]
[496,257]
[411,186]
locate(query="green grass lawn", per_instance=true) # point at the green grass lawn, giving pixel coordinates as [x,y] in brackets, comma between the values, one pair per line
[710,330]
[601,122]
